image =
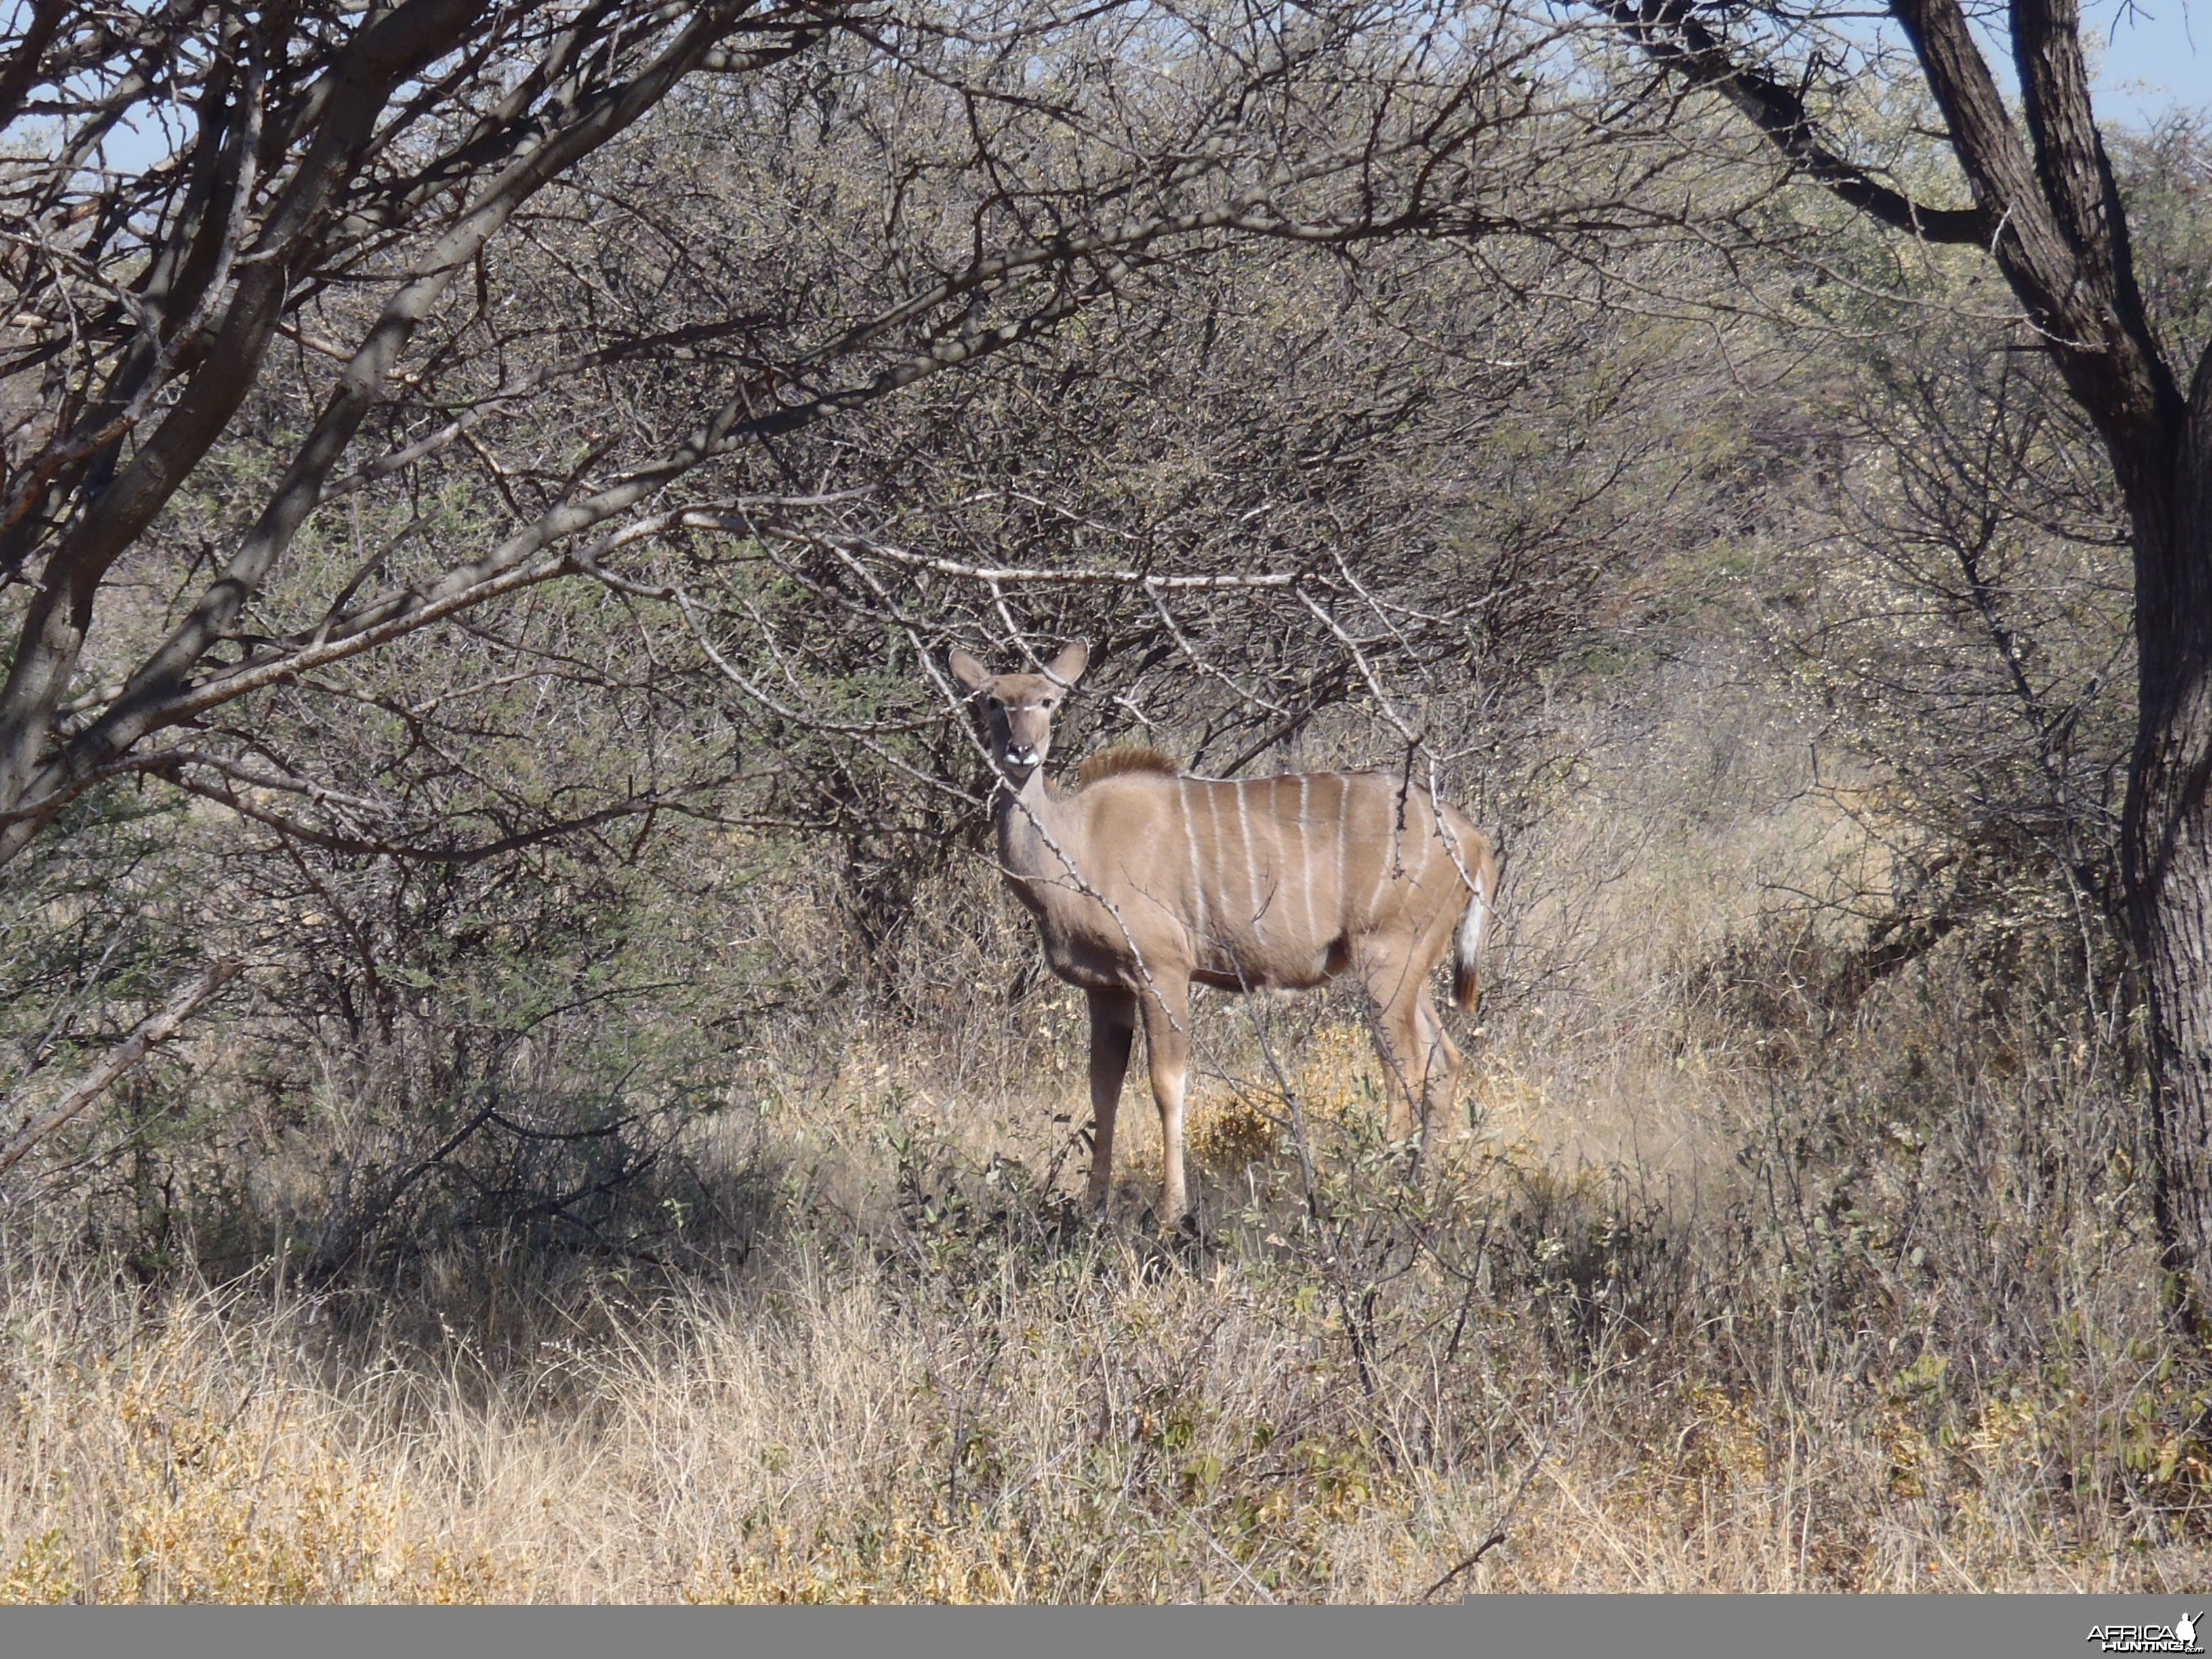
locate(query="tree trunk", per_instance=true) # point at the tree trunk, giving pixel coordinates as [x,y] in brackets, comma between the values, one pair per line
[2167,840]
[2050,215]
[2170,896]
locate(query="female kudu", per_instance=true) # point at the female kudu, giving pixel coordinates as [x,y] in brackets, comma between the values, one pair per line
[1143,880]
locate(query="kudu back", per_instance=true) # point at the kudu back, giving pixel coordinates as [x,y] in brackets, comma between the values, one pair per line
[1144,881]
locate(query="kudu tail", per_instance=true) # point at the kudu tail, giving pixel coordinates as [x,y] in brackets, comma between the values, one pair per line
[1466,943]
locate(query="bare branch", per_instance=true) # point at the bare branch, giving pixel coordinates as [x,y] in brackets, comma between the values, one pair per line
[156,1028]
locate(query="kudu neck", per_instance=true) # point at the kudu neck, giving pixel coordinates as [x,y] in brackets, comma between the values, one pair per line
[1029,822]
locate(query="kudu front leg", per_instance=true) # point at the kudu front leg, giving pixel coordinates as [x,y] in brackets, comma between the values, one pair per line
[1112,1029]
[1167,1049]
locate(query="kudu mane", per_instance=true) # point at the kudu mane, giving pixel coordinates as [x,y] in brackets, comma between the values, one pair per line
[1128,757]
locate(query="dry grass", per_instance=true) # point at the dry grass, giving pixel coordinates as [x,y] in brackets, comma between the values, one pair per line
[953,1398]
[1714,1297]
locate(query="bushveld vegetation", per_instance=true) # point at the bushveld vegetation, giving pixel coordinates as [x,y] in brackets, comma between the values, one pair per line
[476,584]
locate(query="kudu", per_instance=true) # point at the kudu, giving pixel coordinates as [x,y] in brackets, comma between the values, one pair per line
[1143,881]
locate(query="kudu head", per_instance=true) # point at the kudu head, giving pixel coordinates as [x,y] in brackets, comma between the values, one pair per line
[1018,707]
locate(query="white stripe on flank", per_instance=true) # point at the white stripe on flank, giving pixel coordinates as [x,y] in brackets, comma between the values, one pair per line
[1343,850]
[1428,854]
[1385,858]
[1305,861]
[1190,839]
[1213,849]
[1251,863]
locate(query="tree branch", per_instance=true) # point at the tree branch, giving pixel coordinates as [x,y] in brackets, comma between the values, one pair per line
[156,1028]
[1669,34]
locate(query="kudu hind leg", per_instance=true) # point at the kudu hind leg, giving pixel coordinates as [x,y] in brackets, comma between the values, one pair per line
[1395,996]
[1444,1067]
[1167,1050]
[1113,1030]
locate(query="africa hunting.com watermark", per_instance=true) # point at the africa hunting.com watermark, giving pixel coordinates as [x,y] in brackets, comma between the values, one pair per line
[2181,1637]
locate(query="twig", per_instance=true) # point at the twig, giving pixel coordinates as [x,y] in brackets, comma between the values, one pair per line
[1481,1550]
[1498,1532]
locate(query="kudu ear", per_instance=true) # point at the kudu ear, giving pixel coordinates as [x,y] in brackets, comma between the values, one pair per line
[1067,667]
[966,670]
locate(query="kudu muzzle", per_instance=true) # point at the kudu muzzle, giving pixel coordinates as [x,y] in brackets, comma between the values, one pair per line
[1025,739]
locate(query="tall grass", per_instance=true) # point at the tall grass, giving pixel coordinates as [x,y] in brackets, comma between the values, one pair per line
[1733,1282]
[924,1380]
